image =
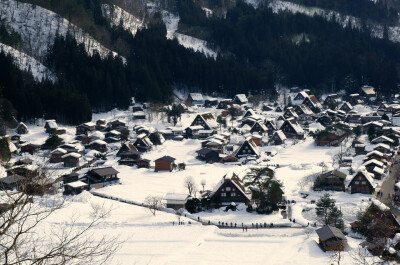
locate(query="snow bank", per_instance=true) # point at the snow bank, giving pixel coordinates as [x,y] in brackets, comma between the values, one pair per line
[28,63]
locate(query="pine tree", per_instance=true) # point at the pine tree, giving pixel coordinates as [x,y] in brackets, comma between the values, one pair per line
[335,218]
[324,206]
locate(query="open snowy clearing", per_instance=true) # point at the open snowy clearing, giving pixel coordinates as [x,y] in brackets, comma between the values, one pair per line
[149,239]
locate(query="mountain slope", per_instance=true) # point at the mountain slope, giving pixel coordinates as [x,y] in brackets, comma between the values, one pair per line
[38,28]
[377,29]
[28,63]
[171,21]
[118,16]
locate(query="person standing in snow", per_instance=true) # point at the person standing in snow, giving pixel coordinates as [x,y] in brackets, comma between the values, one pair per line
[243,228]
[246,228]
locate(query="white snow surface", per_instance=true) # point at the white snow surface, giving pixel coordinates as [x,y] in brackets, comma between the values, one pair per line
[38,28]
[171,21]
[118,16]
[28,63]
[148,239]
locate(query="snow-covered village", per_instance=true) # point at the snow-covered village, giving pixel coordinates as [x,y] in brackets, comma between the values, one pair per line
[163,132]
[226,181]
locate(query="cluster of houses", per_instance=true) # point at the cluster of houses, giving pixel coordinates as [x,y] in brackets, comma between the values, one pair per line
[258,127]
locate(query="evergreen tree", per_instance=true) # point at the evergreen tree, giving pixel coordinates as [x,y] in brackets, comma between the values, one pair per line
[155,138]
[335,218]
[371,132]
[267,188]
[357,131]
[53,141]
[324,206]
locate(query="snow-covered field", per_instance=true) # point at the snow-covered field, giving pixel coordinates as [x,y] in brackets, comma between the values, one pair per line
[38,28]
[148,239]
[28,63]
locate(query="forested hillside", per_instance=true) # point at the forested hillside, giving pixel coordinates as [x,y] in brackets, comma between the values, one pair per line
[257,49]
[377,11]
[305,51]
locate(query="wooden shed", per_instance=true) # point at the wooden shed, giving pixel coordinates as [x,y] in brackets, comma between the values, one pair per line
[165,163]
[331,238]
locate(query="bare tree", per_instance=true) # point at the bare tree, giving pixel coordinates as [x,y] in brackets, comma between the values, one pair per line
[362,256]
[154,203]
[24,238]
[203,183]
[190,184]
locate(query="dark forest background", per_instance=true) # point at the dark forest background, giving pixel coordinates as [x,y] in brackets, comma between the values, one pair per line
[257,51]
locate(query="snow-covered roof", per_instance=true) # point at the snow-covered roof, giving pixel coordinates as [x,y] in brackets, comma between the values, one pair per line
[196,96]
[378,170]
[196,127]
[205,131]
[296,127]
[23,125]
[303,94]
[235,180]
[368,176]
[281,135]
[90,124]
[373,161]
[382,138]
[368,90]
[396,239]
[115,132]
[76,155]
[76,184]
[98,142]
[375,152]
[12,147]
[209,119]
[97,134]
[241,97]
[384,146]
[52,124]
[176,197]
[59,150]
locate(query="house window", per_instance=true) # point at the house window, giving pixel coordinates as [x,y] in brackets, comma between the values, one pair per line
[228,188]
[356,182]
[223,194]
[233,194]
[363,182]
